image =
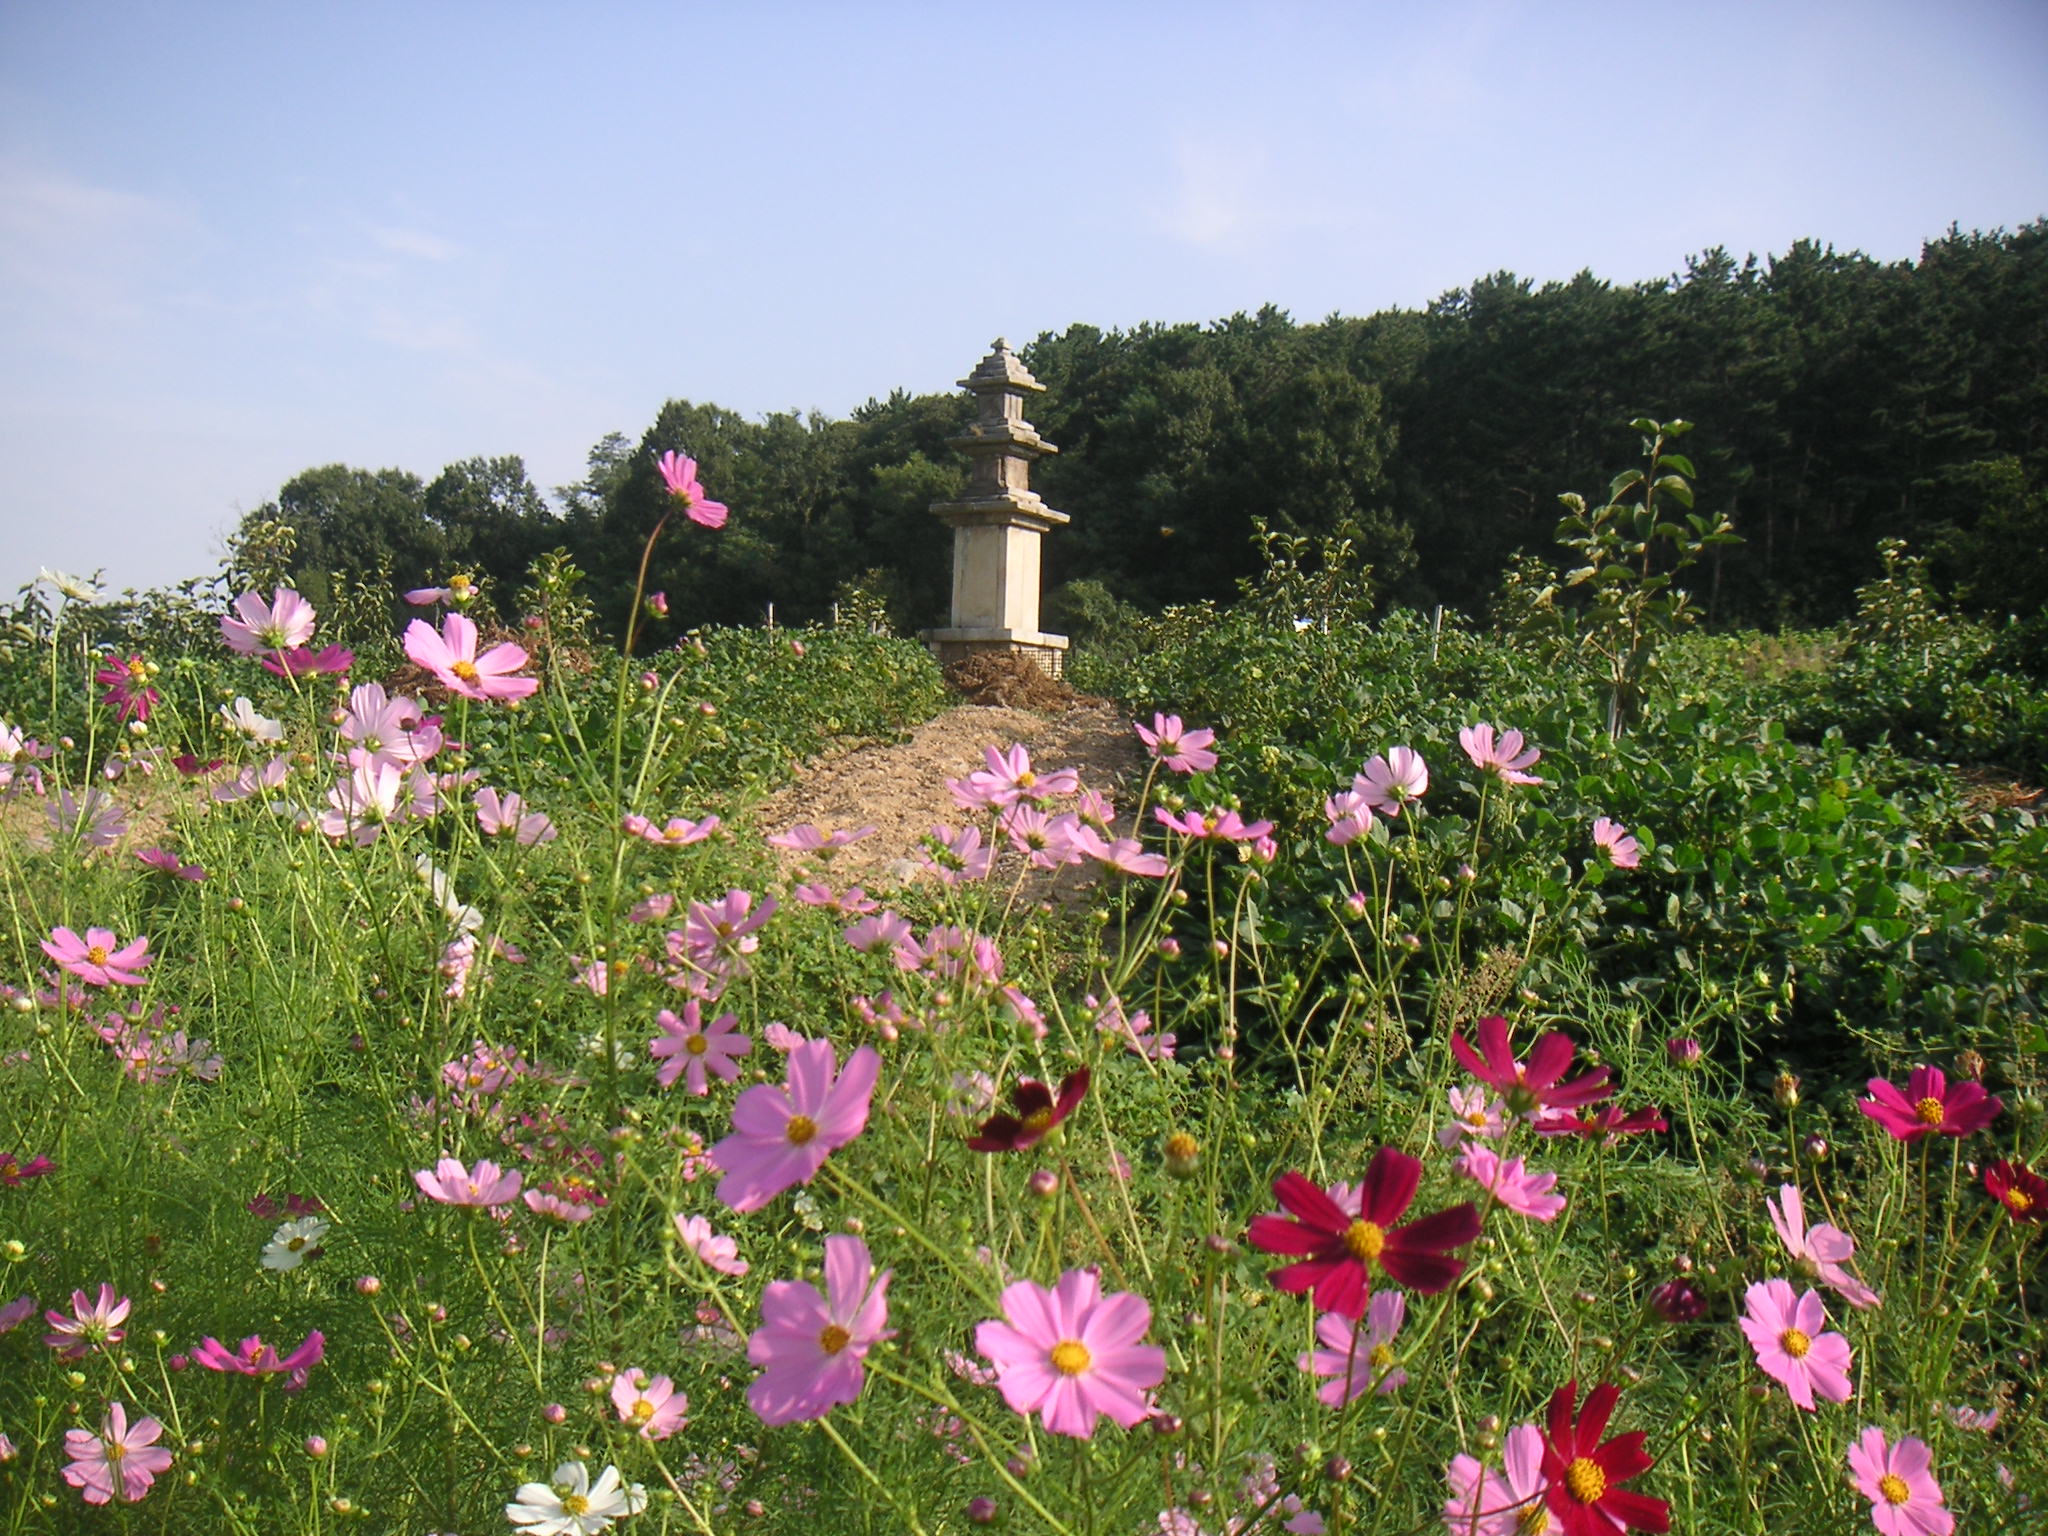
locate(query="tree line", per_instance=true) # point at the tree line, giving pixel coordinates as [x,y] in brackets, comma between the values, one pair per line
[1837,399]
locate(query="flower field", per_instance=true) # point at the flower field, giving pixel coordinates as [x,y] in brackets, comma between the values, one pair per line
[432,1099]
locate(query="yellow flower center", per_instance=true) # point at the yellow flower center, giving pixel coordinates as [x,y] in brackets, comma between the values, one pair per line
[1929,1111]
[1795,1343]
[696,1045]
[466,670]
[643,1410]
[458,583]
[1585,1482]
[295,1244]
[575,1504]
[116,1450]
[1026,779]
[1534,1519]
[97,955]
[1182,1147]
[1070,1357]
[801,1128]
[1382,1358]
[1363,1240]
[138,670]
[1038,1120]
[1894,1488]
[2018,1201]
[834,1339]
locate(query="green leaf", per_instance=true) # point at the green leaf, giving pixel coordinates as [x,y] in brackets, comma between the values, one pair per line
[1675,487]
[1678,462]
[1622,482]
[1645,424]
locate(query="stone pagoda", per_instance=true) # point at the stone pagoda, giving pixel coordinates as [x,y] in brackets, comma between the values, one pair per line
[997,526]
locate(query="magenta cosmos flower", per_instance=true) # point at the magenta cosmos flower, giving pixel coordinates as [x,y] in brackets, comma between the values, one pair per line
[1819,1251]
[122,1458]
[694,1048]
[285,623]
[1072,1355]
[450,654]
[1339,1250]
[1791,1349]
[1358,1355]
[1214,824]
[1905,1500]
[1505,759]
[716,1250]
[302,661]
[1532,1085]
[654,1408]
[680,474]
[95,1323]
[2022,1192]
[127,685]
[99,959]
[253,1357]
[452,1184]
[782,1136]
[811,1346]
[1176,747]
[1929,1106]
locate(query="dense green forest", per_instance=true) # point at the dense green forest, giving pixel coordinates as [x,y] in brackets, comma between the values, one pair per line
[1838,400]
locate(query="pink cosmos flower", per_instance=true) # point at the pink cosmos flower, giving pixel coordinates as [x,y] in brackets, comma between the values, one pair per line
[255,1358]
[1071,1354]
[717,1251]
[811,1346]
[678,832]
[1905,1500]
[95,1323]
[1612,839]
[16,1312]
[1349,816]
[361,805]
[556,1207]
[806,838]
[1176,747]
[498,814]
[719,932]
[452,1184]
[283,624]
[1507,1503]
[655,1408]
[1123,855]
[855,903]
[1504,758]
[680,474]
[1339,1249]
[1525,1193]
[450,654]
[122,1458]
[782,1136]
[127,685]
[956,857]
[14,1172]
[883,930]
[1821,1251]
[99,959]
[1216,823]
[1047,842]
[1532,1085]
[94,818]
[1474,1112]
[1930,1105]
[162,859]
[1790,1347]
[1010,779]
[1360,1357]
[1393,781]
[693,1048]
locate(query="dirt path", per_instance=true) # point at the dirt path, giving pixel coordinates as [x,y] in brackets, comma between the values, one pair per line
[901,789]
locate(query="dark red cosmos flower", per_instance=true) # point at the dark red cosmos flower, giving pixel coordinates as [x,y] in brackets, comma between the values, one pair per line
[1583,1474]
[1609,1121]
[2022,1192]
[1038,1111]
[1340,1250]
[296,1205]
[13,1171]
[1533,1085]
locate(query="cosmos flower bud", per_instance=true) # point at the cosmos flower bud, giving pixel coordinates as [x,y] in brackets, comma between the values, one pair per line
[1683,1050]
[1785,1090]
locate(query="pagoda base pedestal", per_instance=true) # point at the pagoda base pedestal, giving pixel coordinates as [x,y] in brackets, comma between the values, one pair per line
[1046,652]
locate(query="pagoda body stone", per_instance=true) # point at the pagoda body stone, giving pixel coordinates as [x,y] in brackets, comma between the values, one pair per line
[998,524]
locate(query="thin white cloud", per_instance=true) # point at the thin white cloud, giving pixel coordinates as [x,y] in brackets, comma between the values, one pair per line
[414,242]
[75,256]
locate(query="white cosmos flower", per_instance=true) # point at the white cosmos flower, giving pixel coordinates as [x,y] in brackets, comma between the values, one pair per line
[74,587]
[573,1505]
[243,717]
[291,1243]
[466,918]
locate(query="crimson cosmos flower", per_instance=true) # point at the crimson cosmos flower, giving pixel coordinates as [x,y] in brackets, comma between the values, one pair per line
[1609,1121]
[1583,1473]
[1534,1084]
[1038,1111]
[2022,1192]
[1929,1106]
[1339,1250]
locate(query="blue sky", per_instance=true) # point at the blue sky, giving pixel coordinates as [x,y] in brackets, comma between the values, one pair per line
[238,241]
